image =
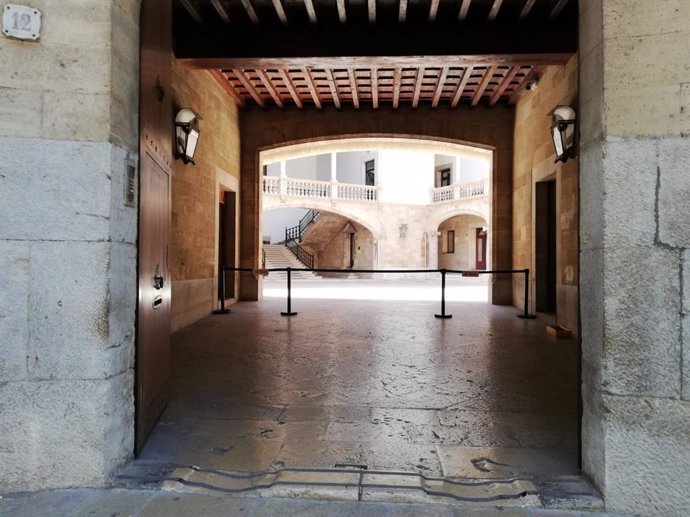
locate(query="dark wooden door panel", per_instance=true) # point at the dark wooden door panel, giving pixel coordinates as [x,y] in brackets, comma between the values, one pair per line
[155,150]
[153,332]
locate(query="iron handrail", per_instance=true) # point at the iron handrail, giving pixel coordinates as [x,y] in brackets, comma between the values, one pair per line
[302,255]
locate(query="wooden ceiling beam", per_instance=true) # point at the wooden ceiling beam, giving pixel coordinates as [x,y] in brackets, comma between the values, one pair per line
[417,87]
[311,12]
[268,84]
[488,74]
[312,86]
[229,89]
[494,9]
[464,7]
[251,89]
[461,86]
[379,62]
[526,9]
[557,8]
[221,10]
[342,13]
[280,11]
[375,88]
[397,81]
[290,87]
[504,84]
[334,87]
[433,10]
[402,11]
[191,10]
[371,7]
[439,87]
[353,86]
[251,12]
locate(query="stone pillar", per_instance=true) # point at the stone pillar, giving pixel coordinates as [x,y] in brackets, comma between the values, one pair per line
[634,260]
[432,243]
[68,132]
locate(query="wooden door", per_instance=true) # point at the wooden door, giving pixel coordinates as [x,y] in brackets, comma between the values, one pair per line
[153,330]
[226,242]
[545,247]
[155,165]
[481,249]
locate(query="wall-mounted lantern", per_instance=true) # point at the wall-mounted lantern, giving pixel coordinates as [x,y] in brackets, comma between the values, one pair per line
[186,134]
[403,230]
[563,132]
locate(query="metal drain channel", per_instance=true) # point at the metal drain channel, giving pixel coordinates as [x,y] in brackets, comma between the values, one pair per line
[343,481]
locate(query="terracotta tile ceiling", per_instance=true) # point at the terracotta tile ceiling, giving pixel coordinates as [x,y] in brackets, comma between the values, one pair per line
[367,81]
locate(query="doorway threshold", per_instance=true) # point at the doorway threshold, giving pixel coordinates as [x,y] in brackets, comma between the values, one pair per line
[357,483]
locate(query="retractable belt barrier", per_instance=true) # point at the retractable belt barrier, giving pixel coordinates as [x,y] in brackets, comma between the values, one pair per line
[466,273]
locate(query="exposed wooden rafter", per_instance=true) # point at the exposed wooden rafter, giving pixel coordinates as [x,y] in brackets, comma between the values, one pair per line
[464,7]
[280,11]
[189,7]
[439,87]
[353,86]
[507,79]
[433,10]
[311,12]
[342,14]
[229,89]
[371,8]
[375,88]
[221,10]
[524,13]
[397,80]
[418,87]
[311,85]
[268,84]
[402,11]
[246,82]
[285,76]
[557,8]
[334,88]
[461,86]
[488,75]
[247,4]
[494,9]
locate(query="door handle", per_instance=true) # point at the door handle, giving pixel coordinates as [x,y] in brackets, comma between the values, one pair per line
[158,280]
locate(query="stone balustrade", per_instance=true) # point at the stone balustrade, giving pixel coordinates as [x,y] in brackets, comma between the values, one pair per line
[295,187]
[457,191]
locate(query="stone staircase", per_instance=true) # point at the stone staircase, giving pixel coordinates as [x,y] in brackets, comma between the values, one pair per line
[277,256]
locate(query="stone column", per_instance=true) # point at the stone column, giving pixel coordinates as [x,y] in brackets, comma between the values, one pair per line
[634,261]
[68,132]
[432,243]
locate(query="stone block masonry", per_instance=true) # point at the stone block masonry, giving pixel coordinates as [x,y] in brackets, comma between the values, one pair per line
[68,123]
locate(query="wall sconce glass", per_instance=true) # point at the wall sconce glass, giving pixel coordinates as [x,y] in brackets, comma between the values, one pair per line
[403,230]
[563,132]
[187,134]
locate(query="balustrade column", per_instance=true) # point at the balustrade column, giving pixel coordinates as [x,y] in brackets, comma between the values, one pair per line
[334,176]
[283,178]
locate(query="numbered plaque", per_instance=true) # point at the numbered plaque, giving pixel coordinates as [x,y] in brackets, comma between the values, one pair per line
[21,22]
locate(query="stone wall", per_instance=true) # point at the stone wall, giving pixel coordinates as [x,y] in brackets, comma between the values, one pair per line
[195,194]
[484,127]
[464,254]
[68,123]
[634,263]
[534,162]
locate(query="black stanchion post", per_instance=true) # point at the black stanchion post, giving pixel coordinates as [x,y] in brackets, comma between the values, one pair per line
[443,314]
[525,313]
[289,311]
[222,309]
